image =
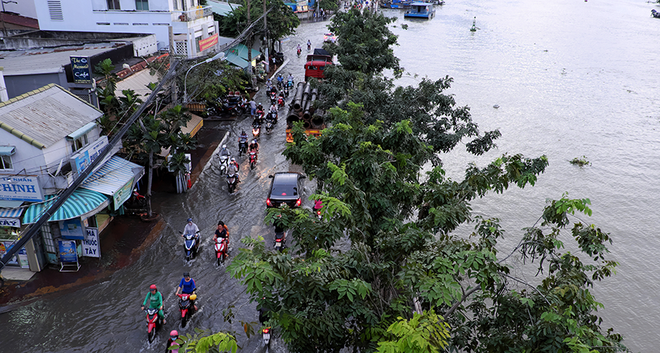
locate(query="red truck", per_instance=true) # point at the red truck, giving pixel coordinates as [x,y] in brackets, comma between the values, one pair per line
[316,63]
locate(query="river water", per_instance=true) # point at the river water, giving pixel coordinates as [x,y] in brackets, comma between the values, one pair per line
[571,78]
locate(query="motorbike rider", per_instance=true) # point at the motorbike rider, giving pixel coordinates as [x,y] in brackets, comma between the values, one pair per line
[280,80]
[289,78]
[298,49]
[273,108]
[233,170]
[191,228]
[187,286]
[309,44]
[155,300]
[269,84]
[254,146]
[242,140]
[234,163]
[264,312]
[174,335]
[221,233]
[224,151]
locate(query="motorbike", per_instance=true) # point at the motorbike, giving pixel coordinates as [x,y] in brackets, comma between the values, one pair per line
[221,250]
[232,182]
[309,46]
[154,323]
[190,245]
[299,50]
[256,128]
[272,116]
[280,100]
[286,91]
[253,157]
[266,335]
[273,97]
[289,84]
[268,126]
[242,147]
[280,239]
[224,164]
[186,307]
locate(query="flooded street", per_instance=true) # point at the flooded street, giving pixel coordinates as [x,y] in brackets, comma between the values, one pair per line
[570,79]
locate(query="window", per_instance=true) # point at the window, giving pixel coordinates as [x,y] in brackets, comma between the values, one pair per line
[113,5]
[142,5]
[80,142]
[5,162]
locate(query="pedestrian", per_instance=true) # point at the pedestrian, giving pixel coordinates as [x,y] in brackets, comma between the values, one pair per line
[274,63]
[253,107]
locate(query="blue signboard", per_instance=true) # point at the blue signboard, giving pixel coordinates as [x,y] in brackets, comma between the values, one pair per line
[81,69]
[67,251]
[72,229]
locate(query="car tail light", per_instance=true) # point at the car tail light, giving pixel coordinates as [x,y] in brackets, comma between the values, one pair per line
[268,202]
[298,202]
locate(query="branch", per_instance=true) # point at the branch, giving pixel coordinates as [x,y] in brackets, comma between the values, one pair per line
[458,303]
[529,285]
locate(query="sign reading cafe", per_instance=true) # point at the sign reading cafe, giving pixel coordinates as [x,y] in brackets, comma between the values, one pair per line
[20,188]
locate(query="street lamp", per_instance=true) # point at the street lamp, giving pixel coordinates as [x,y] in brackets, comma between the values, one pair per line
[220,56]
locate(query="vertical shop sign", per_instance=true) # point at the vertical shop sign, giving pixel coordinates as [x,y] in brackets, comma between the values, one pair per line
[67,251]
[81,69]
[90,245]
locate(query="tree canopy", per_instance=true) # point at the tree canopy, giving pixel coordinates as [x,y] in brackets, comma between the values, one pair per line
[281,20]
[387,268]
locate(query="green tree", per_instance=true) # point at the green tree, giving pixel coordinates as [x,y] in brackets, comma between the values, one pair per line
[211,80]
[388,244]
[281,20]
[203,341]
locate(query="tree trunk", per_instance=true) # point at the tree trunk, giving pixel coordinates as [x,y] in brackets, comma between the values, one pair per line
[150,177]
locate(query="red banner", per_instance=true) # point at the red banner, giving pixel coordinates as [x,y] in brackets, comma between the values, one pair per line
[208,42]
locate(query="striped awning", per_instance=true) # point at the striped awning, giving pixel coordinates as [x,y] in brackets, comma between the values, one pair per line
[11,212]
[114,174]
[80,203]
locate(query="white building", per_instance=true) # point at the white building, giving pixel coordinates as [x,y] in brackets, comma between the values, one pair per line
[47,137]
[181,26]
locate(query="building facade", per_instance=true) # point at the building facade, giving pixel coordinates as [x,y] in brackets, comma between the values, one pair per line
[183,27]
[49,136]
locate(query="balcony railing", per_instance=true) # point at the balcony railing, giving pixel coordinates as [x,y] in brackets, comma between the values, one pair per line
[191,15]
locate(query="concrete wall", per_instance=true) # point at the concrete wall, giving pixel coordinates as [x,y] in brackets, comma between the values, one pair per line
[23,7]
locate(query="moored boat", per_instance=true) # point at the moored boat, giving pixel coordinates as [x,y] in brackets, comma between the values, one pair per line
[420,10]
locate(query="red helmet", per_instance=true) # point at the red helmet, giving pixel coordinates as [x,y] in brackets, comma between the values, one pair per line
[152,287]
[174,333]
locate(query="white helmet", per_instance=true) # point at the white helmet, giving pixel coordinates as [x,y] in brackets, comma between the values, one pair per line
[233,159]
[224,146]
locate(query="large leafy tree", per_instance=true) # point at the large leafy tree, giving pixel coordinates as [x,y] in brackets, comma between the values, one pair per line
[281,20]
[386,269]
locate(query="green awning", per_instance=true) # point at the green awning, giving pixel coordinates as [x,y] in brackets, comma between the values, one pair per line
[222,8]
[82,202]
[242,51]
[7,150]
[83,130]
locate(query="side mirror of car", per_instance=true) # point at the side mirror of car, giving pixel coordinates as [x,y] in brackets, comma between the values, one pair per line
[271,176]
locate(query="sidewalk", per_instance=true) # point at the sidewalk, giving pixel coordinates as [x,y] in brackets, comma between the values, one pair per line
[122,242]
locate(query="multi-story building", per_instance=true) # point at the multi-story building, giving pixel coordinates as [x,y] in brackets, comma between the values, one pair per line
[183,27]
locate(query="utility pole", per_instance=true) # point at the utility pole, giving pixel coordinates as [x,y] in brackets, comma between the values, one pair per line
[266,40]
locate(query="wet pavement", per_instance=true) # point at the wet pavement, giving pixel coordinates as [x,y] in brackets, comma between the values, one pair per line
[98,309]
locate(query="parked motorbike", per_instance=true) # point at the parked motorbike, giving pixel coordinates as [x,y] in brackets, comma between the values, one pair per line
[224,164]
[190,245]
[221,249]
[154,323]
[232,182]
[253,157]
[280,239]
[186,307]
[242,147]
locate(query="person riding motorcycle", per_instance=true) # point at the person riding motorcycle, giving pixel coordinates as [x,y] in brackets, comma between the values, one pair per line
[224,151]
[254,146]
[187,286]
[234,163]
[273,108]
[233,170]
[309,44]
[298,49]
[242,140]
[221,233]
[269,84]
[280,80]
[155,300]
[174,335]
[289,79]
[191,228]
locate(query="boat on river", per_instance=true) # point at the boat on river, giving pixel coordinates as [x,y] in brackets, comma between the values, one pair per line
[396,4]
[420,10]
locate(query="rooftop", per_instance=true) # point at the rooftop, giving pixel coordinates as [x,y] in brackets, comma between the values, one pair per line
[46,60]
[46,115]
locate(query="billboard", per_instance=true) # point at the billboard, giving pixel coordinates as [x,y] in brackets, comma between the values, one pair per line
[81,69]
[209,42]
[67,251]
[87,155]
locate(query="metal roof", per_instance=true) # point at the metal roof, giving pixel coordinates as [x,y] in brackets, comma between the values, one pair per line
[46,115]
[47,60]
[11,212]
[137,82]
[114,174]
[222,8]
[80,203]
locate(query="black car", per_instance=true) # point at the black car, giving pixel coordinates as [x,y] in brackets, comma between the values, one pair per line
[285,188]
